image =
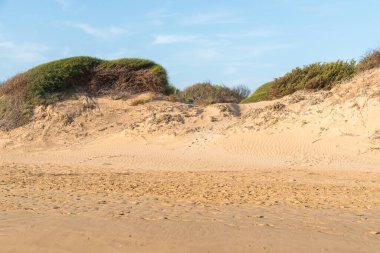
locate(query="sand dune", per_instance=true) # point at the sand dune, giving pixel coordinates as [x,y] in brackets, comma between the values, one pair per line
[102,175]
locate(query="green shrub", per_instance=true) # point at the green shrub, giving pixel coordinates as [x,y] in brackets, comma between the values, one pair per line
[161,74]
[260,94]
[314,76]
[207,93]
[51,81]
[170,90]
[370,60]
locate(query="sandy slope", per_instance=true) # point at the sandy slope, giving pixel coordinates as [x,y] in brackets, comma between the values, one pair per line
[101,175]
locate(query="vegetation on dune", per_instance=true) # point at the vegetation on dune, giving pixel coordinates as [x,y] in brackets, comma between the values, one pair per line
[3,107]
[137,64]
[133,63]
[14,109]
[315,76]
[171,90]
[56,80]
[207,93]
[51,81]
[370,60]
[260,94]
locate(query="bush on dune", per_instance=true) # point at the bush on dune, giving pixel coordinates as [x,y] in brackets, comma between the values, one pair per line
[51,81]
[260,94]
[207,93]
[370,60]
[315,76]
[171,90]
[14,110]
[132,75]
[57,80]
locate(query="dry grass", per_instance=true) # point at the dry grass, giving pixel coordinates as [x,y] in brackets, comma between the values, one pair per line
[370,60]
[140,101]
[15,86]
[14,111]
[207,93]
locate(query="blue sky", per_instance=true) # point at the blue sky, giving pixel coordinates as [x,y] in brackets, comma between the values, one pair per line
[227,42]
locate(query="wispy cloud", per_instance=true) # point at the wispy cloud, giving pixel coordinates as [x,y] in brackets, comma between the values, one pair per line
[119,53]
[260,33]
[258,50]
[222,17]
[103,32]
[22,52]
[207,53]
[171,39]
[159,16]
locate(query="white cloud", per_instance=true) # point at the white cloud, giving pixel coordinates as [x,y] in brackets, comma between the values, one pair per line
[16,57]
[104,33]
[170,39]
[6,44]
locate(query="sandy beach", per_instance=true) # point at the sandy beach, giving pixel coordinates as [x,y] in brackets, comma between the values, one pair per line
[298,174]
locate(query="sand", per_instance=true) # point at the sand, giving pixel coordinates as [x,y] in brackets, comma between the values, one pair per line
[300,174]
